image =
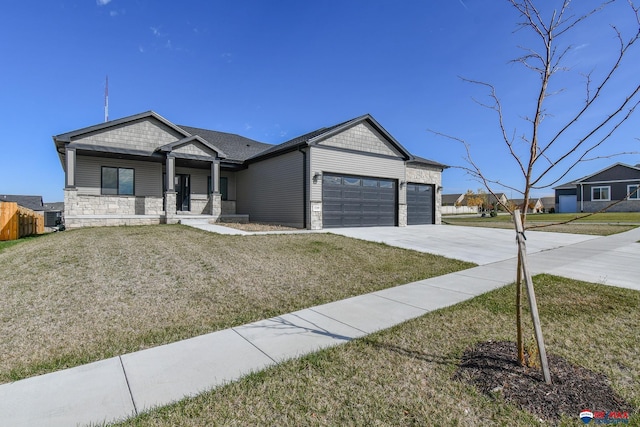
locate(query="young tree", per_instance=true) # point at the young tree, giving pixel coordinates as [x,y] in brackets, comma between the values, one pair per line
[549,147]
[475,200]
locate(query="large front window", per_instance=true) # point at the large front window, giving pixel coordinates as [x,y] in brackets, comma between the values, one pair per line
[117,181]
[601,193]
[633,191]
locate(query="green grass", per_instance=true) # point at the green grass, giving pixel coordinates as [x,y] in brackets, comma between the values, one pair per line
[78,296]
[402,376]
[602,224]
[5,244]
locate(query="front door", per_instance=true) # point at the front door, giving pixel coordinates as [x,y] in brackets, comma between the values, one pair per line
[183,192]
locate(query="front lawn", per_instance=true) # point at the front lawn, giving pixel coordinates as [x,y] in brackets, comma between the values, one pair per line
[78,296]
[602,224]
[404,375]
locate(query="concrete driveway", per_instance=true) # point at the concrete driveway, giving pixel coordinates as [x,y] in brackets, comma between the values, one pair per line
[474,244]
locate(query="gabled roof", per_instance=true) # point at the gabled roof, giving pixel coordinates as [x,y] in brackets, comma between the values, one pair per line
[572,184]
[30,202]
[184,141]
[66,137]
[237,148]
[606,169]
[451,199]
[316,136]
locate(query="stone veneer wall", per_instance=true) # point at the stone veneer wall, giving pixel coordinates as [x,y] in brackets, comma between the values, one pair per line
[316,216]
[402,215]
[424,174]
[82,210]
[82,204]
[625,206]
[200,204]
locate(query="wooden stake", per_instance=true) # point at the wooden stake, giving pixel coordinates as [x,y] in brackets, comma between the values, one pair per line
[533,305]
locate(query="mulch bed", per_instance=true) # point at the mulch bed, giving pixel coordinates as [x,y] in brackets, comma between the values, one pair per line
[493,368]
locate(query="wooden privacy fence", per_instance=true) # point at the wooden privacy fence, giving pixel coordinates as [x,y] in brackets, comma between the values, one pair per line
[17,222]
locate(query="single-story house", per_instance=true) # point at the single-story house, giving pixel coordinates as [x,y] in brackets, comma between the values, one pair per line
[30,202]
[535,205]
[144,169]
[452,199]
[52,212]
[595,192]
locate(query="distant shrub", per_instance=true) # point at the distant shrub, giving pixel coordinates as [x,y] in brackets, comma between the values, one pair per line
[552,210]
[493,213]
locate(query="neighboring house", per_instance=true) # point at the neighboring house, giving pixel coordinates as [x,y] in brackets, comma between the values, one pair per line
[452,204]
[534,206]
[595,192]
[490,201]
[30,202]
[452,199]
[144,169]
[548,203]
[52,212]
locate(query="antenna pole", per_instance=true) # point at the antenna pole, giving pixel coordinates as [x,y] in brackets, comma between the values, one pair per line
[106,100]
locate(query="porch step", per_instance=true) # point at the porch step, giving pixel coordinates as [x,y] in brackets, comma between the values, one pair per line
[239,218]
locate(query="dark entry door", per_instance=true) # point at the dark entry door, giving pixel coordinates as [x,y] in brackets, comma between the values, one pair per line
[183,192]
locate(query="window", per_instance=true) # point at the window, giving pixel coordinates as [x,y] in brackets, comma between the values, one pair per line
[351,181]
[334,180]
[633,191]
[224,187]
[117,181]
[601,193]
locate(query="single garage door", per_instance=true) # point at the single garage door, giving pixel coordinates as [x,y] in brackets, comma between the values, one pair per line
[419,204]
[358,201]
[567,204]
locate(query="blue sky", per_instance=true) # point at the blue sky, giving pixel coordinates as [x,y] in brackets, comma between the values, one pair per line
[274,70]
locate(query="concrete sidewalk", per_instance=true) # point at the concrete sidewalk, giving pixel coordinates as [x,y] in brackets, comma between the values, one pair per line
[132,383]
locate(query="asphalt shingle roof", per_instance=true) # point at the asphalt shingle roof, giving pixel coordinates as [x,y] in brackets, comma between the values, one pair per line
[30,202]
[236,147]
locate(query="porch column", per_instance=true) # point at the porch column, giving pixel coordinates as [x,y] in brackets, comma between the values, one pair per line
[215,196]
[215,176]
[171,173]
[170,193]
[70,167]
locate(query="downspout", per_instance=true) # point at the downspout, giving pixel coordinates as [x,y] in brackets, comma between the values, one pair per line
[304,187]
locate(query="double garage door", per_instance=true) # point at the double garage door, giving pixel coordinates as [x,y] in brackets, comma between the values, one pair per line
[358,201]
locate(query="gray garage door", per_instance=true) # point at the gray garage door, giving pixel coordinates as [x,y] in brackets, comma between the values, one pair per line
[567,204]
[419,204]
[358,201]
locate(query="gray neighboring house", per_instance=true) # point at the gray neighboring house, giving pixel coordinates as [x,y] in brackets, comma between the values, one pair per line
[596,191]
[452,199]
[30,202]
[143,169]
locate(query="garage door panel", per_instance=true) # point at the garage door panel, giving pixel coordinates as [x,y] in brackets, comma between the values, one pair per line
[352,201]
[420,203]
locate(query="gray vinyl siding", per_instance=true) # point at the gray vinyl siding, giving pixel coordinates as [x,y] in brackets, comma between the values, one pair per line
[272,190]
[199,178]
[147,175]
[340,162]
[231,184]
[615,173]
